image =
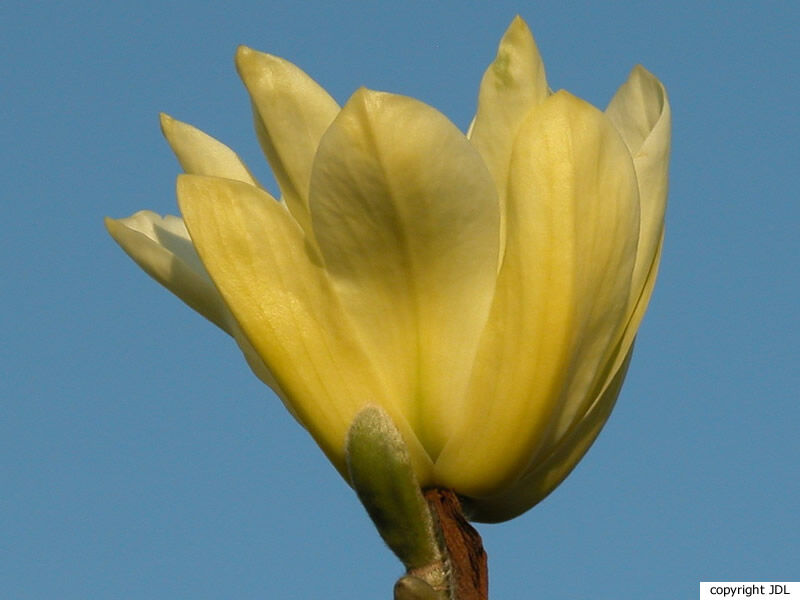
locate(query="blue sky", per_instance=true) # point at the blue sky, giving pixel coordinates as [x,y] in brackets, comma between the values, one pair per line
[139,458]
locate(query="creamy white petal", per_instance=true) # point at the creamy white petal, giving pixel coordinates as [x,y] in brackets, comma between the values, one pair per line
[640,111]
[406,217]
[162,247]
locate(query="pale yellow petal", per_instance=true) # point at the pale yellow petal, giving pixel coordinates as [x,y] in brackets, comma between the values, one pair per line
[257,256]
[406,217]
[636,312]
[558,459]
[641,114]
[257,365]
[200,154]
[513,84]
[162,248]
[291,113]
[554,467]
[640,111]
[562,297]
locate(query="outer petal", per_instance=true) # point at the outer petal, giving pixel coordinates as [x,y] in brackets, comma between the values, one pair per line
[406,217]
[162,247]
[291,113]
[553,468]
[512,85]
[557,461]
[562,296]
[640,111]
[200,154]
[256,254]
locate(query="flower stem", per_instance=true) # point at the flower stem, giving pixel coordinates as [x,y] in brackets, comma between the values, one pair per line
[465,556]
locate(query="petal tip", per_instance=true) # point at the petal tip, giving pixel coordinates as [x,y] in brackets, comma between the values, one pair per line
[363,94]
[243,52]
[641,74]
[564,97]
[365,99]
[251,62]
[245,60]
[112,226]
[518,32]
[167,124]
[518,24]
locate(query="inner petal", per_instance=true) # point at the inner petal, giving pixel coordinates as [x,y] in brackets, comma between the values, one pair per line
[406,216]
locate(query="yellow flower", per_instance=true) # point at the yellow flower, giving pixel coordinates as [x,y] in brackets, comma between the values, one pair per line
[484,289]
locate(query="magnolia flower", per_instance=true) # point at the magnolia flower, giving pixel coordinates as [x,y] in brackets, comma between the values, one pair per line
[484,289]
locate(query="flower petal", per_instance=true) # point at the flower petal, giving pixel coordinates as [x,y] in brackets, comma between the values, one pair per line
[555,462]
[406,217]
[513,84]
[643,119]
[554,467]
[640,111]
[562,294]
[291,113]
[161,246]
[547,472]
[201,154]
[281,298]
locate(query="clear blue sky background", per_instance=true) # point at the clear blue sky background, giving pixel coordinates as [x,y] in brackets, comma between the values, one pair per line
[139,458]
